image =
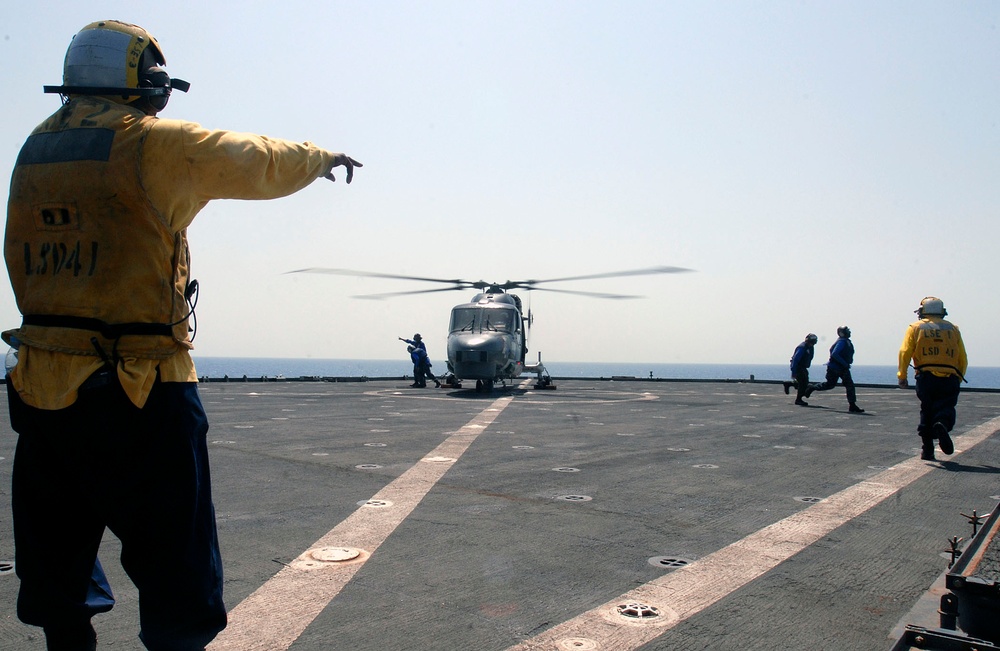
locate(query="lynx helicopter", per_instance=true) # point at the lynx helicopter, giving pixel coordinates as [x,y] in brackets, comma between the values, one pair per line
[487,337]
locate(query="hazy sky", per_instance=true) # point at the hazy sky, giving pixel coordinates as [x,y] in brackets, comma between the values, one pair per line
[817,163]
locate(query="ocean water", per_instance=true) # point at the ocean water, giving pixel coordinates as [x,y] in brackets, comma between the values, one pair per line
[289,368]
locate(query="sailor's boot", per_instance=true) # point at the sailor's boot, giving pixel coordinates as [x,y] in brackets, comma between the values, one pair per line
[941,434]
[927,450]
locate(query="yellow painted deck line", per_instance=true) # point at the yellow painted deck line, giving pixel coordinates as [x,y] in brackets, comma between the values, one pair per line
[687,591]
[277,613]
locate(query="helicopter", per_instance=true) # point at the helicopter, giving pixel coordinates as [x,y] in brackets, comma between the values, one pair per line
[488,336]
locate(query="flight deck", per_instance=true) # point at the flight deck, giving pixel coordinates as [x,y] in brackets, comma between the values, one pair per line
[626,514]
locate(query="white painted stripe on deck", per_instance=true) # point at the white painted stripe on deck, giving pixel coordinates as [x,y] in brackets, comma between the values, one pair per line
[687,591]
[277,613]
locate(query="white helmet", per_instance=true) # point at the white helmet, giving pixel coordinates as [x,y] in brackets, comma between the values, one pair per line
[118,61]
[931,306]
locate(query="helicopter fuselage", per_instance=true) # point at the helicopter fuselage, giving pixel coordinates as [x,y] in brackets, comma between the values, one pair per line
[487,339]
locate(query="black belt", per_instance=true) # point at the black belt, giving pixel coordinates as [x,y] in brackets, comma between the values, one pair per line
[108,330]
[100,378]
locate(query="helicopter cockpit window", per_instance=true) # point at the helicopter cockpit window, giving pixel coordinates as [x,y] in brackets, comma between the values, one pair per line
[464,319]
[500,320]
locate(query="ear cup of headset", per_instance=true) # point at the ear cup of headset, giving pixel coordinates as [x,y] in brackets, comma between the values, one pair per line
[156,77]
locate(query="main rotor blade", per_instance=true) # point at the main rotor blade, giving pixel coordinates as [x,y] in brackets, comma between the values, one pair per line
[378,297]
[579,293]
[458,284]
[372,274]
[614,274]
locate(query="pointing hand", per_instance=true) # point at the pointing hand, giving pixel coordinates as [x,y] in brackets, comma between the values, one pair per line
[346,161]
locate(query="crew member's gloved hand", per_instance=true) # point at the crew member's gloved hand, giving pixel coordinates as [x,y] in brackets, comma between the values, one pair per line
[346,161]
[903,383]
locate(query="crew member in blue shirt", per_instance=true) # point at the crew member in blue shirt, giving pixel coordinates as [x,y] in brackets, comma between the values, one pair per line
[839,368]
[425,363]
[800,362]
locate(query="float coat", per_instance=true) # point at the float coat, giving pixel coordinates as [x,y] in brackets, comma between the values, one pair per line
[80,229]
[936,346]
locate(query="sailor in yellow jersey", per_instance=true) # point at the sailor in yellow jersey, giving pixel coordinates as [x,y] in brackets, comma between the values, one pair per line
[939,363]
[104,395]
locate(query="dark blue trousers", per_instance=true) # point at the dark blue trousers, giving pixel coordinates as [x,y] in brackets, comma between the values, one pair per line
[834,374]
[938,397]
[143,474]
[801,382]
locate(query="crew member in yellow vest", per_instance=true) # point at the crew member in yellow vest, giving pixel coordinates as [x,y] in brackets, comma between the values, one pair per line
[939,363]
[104,393]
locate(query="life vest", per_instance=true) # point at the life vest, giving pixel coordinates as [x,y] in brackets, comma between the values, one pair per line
[804,358]
[937,347]
[95,269]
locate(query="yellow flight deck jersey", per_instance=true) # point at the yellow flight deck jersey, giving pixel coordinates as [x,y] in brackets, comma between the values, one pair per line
[935,346]
[100,200]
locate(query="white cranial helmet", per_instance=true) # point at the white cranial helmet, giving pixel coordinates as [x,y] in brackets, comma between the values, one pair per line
[931,306]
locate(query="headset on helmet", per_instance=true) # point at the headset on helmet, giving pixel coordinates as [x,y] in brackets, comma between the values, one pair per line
[118,61]
[931,306]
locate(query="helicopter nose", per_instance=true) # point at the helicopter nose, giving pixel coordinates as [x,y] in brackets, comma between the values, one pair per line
[476,357]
